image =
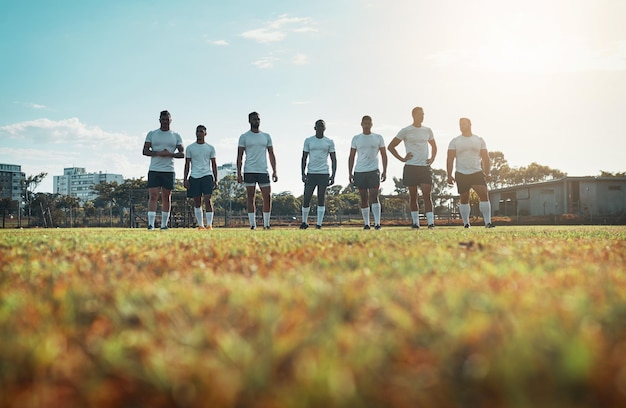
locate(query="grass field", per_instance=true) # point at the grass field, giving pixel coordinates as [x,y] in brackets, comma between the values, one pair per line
[509,317]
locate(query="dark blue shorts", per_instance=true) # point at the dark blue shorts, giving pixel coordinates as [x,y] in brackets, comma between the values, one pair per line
[164,179]
[251,179]
[465,181]
[200,186]
[417,175]
[367,179]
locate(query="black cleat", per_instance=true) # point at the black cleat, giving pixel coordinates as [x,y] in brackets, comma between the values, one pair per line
[304,225]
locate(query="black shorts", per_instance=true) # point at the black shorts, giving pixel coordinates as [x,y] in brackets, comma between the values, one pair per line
[251,179]
[200,186]
[417,175]
[164,179]
[465,181]
[317,180]
[367,179]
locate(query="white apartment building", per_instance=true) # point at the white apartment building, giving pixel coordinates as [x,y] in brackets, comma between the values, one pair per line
[11,178]
[76,182]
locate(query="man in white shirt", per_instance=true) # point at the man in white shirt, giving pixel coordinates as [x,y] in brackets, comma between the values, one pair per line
[257,146]
[367,176]
[472,171]
[200,159]
[163,146]
[317,149]
[417,171]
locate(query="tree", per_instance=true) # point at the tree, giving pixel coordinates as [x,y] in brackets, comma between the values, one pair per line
[399,187]
[609,174]
[285,204]
[68,202]
[29,184]
[7,205]
[500,170]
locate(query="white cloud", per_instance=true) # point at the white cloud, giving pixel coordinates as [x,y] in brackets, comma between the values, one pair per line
[32,105]
[72,131]
[219,42]
[301,59]
[265,62]
[277,30]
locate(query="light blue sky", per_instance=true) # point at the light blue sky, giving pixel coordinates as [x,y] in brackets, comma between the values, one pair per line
[82,82]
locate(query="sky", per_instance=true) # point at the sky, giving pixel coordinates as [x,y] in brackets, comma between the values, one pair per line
[82,83]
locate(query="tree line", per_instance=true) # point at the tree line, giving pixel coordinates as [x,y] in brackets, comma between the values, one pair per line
[124,204]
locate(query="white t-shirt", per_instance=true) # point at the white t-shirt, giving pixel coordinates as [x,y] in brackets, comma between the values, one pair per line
[256,145]
[318,149]
[467,153]
[200,155]
[416,141]
[163,140]
[367,148]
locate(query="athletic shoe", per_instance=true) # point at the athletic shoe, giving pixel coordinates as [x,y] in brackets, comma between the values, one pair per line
[490,225]
[366,227]
[253,227]
[431,226]
[201,228]
[467,226]
[266,227]
[164,228]
[150,228]
[415,226]
[209,227]
[318,227]
[377,227]
[304,225]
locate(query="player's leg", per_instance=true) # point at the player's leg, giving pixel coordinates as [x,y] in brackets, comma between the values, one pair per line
[208,204]
[197,210]
[321,200]
[484,205]
[306,203]
[266,193]
[414,206]
[375,203]
[251,205]
[428,204]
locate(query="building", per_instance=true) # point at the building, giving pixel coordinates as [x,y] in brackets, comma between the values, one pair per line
[11,179]
[226,170]
[76,182]
[584,196]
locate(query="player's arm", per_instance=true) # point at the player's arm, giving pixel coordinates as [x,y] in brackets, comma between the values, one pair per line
[180,154]
[147,149]
[270,152]
[305,155]
[186,173]
[351,164]
[485,163]
[450,165]
[214,168]
[433,151]
[392,149]
[383,156]
[333,165]
[240,151]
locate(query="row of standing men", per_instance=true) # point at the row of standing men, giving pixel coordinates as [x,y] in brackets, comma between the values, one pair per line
[468,150]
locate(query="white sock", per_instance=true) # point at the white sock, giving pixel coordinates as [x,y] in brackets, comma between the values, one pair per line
[464,209]
[151,217]
[320,214]
[415,215]
[252,219]
[376,211]
[365,212]
[209,219]
[305,214]
[430,218]
[266,219]
[165,217]
[485,209]
[198,213]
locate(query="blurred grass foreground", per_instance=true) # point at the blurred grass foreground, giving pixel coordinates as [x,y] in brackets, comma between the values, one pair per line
[509,317]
